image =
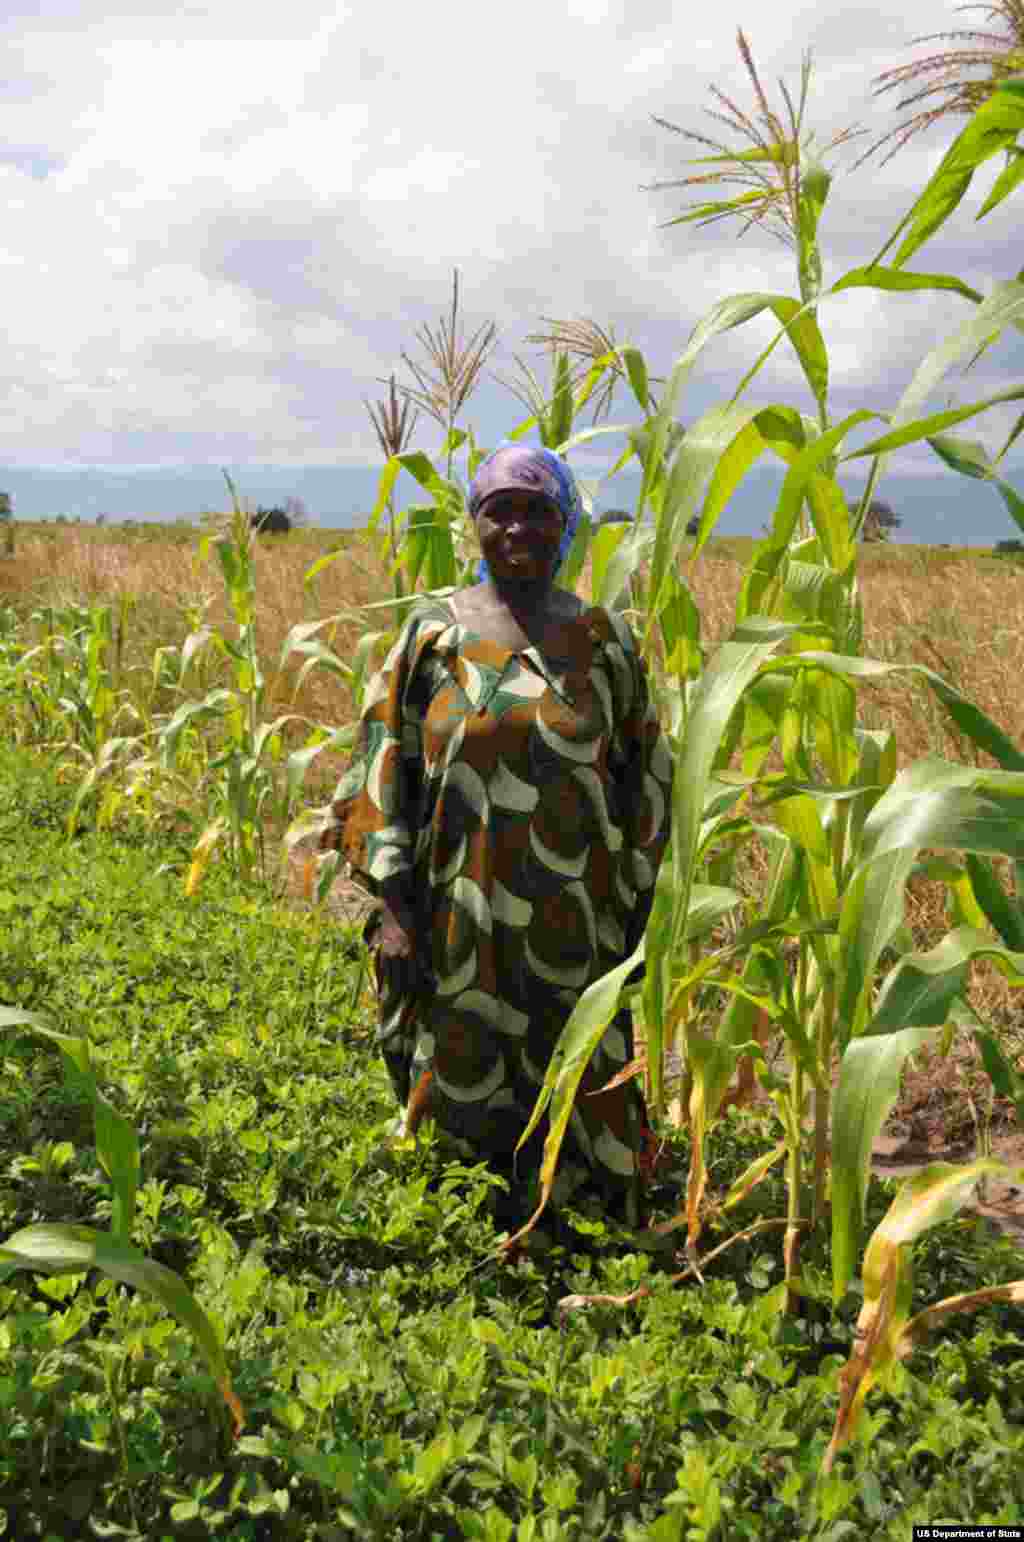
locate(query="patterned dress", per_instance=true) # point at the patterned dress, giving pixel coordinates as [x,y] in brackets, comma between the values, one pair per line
[525,798]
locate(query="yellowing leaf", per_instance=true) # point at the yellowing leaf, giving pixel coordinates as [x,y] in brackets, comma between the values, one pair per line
[202,853]
[883,1333]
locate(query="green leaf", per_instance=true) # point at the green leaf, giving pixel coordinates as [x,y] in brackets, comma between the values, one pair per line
[970,720]
[920,990]
[636,369]
[726,314]
[970,458]
[587,1024]
[956,808]
[697,455]
[1007,1082]
[719,689]
[213,704]
[422,468]
[804,333]
[315,653]
[1003,911]
[869,1082]
[385,487]
[605,541]
[798,322]
[933,425]
[780,429]
[930,804]
[895,281]
[708,904]
[679,619]
[558,425]
[627,556]
[774,552]
[993,127]
[1007,182]
[572,567]
[68,1249]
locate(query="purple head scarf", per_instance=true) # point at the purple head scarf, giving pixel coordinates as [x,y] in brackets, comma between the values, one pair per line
[537,470]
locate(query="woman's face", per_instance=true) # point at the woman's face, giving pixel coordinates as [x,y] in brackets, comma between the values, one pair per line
[520,533]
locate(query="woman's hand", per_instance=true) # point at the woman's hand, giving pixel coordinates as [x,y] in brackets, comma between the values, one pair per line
[399,951]
[394,937]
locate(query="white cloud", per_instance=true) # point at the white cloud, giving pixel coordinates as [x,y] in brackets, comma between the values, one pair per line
[225,223]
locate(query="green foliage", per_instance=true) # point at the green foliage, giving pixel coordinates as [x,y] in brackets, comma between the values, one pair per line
[397,1382]
[402,1385]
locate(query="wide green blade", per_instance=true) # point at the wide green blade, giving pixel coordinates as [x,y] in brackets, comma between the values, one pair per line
[994,127]
[1007,182]
[985,813]
[68,1249]
[719,690]
[895,281]
[931,804]
[587,1025]
[971,720]
[869,1083]
[1003,911]
[936,423]
[921,989]
[705,442]
[1007,1082]
[1004,305]
[780,429]
[970,458]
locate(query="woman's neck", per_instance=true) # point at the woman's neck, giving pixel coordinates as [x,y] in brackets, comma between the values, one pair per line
[522,596]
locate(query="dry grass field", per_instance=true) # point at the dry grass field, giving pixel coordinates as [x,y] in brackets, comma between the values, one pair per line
[960,612]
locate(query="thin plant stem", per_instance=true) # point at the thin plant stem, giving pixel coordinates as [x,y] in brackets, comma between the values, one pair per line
[795,1159]
[695,1267]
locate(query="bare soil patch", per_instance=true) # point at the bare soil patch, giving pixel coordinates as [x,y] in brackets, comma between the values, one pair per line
[932,1122]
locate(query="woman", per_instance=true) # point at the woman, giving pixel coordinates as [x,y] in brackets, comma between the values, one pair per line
[509,806]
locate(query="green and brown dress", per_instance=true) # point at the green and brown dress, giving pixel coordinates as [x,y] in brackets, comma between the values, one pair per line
[526,799]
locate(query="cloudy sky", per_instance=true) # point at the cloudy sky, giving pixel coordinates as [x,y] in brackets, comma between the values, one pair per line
[224,223]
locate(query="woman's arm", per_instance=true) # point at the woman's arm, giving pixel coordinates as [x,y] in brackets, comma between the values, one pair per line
[375,807]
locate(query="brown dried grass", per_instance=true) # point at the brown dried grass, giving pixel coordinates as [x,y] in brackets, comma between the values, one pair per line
[963,618]
[961,615]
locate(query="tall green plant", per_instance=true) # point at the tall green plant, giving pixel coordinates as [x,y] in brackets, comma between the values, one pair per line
[249,778]
[844,833]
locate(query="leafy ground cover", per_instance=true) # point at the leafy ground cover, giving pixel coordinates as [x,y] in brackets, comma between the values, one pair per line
[397,1381]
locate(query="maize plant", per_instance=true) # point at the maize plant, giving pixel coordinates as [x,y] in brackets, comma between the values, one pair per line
[843,831]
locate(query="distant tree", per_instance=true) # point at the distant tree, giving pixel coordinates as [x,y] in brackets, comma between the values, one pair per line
[879,520]
[616,517]
[693,525]
[7,520]
[62,519]
[273,521]
[101,519]
[1013,545]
